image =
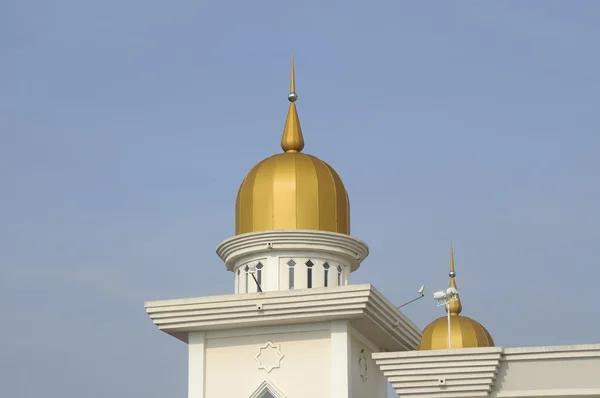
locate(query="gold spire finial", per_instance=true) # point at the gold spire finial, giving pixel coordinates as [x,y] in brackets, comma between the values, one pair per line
[454,307]
[292,78]
[292,140]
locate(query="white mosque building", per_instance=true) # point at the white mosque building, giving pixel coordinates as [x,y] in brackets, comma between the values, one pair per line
[295,327]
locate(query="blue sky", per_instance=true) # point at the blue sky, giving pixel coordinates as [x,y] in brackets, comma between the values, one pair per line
[126,127]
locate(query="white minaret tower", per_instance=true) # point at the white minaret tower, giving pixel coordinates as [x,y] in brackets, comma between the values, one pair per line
[294,327]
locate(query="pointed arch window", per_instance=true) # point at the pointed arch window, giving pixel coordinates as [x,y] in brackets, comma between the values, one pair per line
[246,269]
[259,268]
[339,275]
[267,390]
[325,273]
[291,264]
[309,274]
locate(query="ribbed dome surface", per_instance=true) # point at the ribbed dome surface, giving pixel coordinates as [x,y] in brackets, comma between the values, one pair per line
[292,190]
[466,333]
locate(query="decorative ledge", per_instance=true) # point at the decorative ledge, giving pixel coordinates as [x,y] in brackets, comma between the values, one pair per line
[560,371]
[367,309]
[236,247]
[552,352]
[447,373]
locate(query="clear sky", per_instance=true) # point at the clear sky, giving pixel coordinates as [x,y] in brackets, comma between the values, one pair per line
[126,127]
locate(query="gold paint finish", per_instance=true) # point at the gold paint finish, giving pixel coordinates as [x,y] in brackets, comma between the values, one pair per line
[465,332]
[292,190]
[292,77]
[454,307]
[292,139]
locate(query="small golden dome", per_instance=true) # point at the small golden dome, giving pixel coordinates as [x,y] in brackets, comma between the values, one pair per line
[292,190]
[464,332]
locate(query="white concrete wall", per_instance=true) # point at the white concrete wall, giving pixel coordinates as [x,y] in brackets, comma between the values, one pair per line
[231,369]
[317,360]
[544,371]
[371,383]
[196,364]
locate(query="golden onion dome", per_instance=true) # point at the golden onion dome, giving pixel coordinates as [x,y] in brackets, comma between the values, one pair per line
[464,332]
[292,190]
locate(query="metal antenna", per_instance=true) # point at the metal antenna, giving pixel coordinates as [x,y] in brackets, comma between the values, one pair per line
[252,271]
[421,295]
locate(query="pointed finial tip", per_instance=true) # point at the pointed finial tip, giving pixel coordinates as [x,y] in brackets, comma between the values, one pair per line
[292,140]
[292,96]
[452,272]
[454,307]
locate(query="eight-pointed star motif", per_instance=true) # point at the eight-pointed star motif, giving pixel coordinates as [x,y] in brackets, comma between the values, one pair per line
[269,356]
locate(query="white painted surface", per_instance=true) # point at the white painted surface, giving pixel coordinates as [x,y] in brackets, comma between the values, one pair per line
[275,272]
[317,360]
[304,371]
[549,371]
[367,309]
[340,359]
[275,248]
[562,371]
[371,383]
[196,365]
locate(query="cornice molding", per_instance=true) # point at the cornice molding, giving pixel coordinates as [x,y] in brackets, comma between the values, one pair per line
[567,393]
[367,310]
[552,352]
[239,246]
[441,373]
[472,372]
